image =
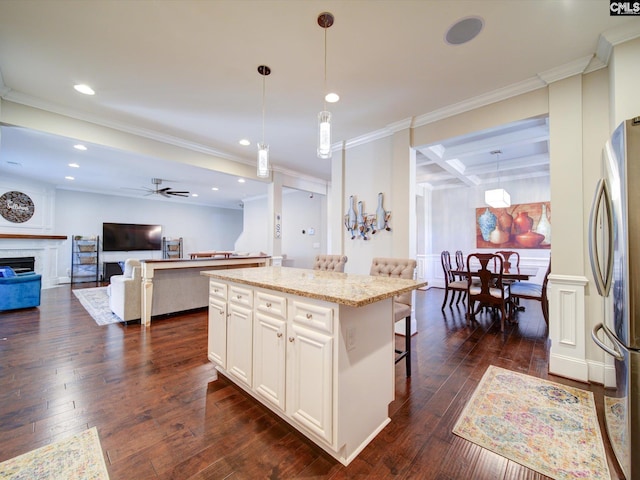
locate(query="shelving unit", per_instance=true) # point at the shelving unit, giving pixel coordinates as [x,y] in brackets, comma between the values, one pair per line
[172,247]
[84,258]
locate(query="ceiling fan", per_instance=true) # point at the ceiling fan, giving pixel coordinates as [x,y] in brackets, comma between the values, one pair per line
[166,191]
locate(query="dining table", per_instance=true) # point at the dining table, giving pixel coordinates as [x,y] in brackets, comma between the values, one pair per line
[511,274]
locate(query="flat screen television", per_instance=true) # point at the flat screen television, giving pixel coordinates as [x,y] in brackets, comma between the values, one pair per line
[126,237]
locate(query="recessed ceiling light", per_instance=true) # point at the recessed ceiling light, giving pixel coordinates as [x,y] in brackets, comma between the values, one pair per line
[464,30]
[79,146]
[244,142]
[241,180]
[215,189]
[68,177]
[74,165]
[194,194]
[84,89]
[332,97]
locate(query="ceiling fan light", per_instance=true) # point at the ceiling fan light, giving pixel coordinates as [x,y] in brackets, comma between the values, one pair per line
[497,198]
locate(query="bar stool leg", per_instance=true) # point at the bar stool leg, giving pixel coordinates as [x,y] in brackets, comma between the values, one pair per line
[406,354]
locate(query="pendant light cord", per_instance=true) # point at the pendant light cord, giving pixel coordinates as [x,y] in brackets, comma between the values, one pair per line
[325,68]
[263,103]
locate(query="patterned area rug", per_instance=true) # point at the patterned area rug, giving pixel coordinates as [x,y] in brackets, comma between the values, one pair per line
[96,302]
[550,428]
[75,458]
[615,409]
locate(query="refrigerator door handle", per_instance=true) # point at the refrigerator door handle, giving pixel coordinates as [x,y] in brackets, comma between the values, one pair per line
[602,279]
[614,352]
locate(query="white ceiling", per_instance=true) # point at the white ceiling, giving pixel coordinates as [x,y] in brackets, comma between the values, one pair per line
[186,72]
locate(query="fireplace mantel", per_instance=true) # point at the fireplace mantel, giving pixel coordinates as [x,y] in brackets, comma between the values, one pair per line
[46,248]
[19,236]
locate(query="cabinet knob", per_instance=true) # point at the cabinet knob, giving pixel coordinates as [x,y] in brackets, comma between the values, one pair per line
[269,305]
[279,334]
[291,339]
[221,312]
[239,297]
[309,316]
[215,290]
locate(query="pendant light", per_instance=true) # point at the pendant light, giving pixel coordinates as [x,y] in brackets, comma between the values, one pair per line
[263,148]
[325,20]
[499,197]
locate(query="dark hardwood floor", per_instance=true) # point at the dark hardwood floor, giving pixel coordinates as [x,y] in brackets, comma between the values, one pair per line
[151,393]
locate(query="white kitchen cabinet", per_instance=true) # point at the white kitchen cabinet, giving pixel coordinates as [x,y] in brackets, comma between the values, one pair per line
[218,324]
[240,334]
[269,348]
[217,337]
[310,380]
[293,360]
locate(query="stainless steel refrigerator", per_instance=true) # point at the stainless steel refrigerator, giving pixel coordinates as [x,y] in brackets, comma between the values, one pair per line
[614,248]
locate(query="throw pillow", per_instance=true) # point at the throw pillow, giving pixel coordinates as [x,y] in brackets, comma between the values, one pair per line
[7,272]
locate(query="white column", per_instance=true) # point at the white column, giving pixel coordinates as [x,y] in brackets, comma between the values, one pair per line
[567,283]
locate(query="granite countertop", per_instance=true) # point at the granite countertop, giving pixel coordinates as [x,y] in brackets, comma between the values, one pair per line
[343,288]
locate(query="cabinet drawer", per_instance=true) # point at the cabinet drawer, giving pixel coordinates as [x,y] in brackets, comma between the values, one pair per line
[241,296]
[314,316]
[271,304]
[218,290]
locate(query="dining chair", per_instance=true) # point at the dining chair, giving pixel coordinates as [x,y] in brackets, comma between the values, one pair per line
[398,268]
[451,283]
[333,263]
[490,291]
[506,255]
[534,291]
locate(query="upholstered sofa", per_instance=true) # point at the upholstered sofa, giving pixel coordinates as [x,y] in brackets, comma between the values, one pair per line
[20,290]
[125,291]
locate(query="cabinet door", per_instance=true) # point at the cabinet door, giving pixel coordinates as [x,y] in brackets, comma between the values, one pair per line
[240,342]
[217,334]
[269,358]
[310,380]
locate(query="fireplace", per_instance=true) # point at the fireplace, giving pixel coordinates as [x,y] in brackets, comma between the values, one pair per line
[19,264]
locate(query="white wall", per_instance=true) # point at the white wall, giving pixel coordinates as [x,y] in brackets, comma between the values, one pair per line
[202,228]
[454,213]
[302,215]
[368,171]
[299,212]
[255,227]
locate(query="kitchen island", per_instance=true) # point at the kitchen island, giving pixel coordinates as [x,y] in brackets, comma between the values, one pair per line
[316,347]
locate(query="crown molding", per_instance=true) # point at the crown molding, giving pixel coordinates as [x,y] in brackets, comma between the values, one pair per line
[381,133]
[577,67]
[368,137]
[401,125]
[301,176]
[615,36]
[514,90]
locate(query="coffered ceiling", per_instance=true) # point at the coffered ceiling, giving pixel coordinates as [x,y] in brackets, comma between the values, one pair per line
[514,151]
[185,73]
